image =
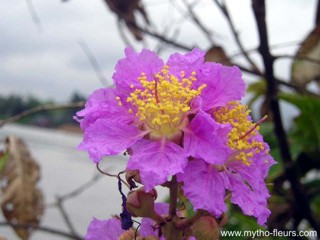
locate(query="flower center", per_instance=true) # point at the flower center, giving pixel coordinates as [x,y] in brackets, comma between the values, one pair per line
[241,137]
[162,104]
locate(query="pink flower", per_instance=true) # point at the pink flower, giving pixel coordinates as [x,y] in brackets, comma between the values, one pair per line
[162,113]
[182,118]
[243,174]
[149,227]
[104,229]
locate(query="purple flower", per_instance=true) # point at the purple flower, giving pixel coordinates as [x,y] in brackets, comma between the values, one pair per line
[148,226]
[104,229]
[243,173]
[162,113]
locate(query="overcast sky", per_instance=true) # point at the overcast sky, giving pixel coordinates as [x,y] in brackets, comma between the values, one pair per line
[50,64]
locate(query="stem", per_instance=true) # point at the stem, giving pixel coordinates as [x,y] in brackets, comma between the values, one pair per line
[42,108]
[41,228]
[301,201]
[173,197]
[172,231]
[225,11]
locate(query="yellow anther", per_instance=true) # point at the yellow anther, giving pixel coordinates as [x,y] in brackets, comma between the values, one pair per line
[131,85]
[162,103]
[117,98]
[240,138]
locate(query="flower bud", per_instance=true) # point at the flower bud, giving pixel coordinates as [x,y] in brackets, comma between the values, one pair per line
[127,235]
[141,204]
[206,228]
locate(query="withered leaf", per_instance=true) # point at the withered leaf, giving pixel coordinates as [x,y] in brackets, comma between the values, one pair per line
[205,228]
[217,54]
[304,71]
[21,200]
[3,159]
[126,10]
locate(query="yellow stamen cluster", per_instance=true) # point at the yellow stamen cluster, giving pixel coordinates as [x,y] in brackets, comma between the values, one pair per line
[240,136]
[162,103]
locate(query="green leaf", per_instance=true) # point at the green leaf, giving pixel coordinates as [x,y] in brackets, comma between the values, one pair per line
[306,132]
[3,160]
[313,188]
[258,89]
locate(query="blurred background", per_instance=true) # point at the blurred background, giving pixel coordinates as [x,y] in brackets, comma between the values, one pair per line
[54,53]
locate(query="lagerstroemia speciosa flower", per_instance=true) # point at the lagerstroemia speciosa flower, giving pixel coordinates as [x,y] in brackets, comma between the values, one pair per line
[182,118]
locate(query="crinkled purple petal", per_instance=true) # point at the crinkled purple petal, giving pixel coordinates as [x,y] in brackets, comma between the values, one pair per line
[133,65]
[224,84]
[203,186]
[188,62]
[162,208]
[204,138]
[262,160]
[104,229]
[247,184]
[147,227]
[106,137]
[250,173]
[252,200]
[101,103]
[156,161]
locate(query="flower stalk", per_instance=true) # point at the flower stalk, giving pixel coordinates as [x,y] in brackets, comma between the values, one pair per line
[171,232]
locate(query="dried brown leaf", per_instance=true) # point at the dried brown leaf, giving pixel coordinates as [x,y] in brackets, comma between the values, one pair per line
[126,10]
[304,71]
[21,200]
[217,54]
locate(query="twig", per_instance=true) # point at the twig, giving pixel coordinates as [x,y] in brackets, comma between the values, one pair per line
[76,192]
[94,63]
[280,81]
[312,60]
[34,15]
[151,33]
[42,108]
[272,89]
[197,21]
[112,175]
[122,34]
[160,44]
[65,217]
[60,200]
[317,20]
[81,189]
[273,46]
[41,228]
[254,71]
[225,11]
[174,24]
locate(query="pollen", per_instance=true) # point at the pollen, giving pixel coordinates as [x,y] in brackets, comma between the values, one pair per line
[161,104]
[243,130]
